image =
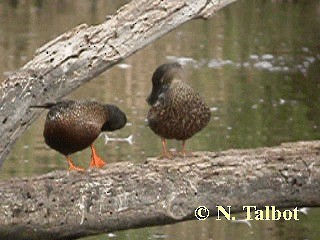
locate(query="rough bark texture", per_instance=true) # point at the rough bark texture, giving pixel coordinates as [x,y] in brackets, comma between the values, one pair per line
[79,55]
[66,205]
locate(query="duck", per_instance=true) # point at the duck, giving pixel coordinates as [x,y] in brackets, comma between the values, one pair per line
[73,125]
[176,111]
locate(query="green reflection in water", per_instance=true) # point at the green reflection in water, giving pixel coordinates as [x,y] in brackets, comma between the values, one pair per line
[256,63]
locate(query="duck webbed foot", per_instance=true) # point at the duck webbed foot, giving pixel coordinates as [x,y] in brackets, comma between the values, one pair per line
[96,160]
[72,166]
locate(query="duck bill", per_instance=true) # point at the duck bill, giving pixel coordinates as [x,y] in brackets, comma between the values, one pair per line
[152,98]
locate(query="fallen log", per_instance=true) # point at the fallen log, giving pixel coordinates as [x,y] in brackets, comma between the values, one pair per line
[84,52]
[68,205]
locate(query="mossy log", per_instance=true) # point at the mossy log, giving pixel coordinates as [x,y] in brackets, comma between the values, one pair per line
[124,195]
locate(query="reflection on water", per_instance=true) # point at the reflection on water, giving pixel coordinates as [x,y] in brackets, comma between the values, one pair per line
[216,230]
[256,63]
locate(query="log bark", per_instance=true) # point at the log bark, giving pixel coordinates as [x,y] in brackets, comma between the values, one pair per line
[81,54]
[67,205]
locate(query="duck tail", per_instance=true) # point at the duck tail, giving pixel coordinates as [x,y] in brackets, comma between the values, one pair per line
[46,105]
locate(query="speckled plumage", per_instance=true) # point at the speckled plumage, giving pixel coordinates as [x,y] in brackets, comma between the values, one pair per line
[73,125]
[177,111]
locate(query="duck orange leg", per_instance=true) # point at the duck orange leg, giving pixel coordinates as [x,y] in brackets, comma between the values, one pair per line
[96,161]
[165,153]
[184,152]
[72,166]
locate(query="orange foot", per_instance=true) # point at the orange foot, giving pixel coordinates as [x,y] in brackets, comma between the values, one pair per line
[72,166]
[167,155]
[96,161]
[165,152]
[184,152]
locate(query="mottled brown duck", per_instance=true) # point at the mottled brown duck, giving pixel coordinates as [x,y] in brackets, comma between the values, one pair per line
[177,111]
[72,126]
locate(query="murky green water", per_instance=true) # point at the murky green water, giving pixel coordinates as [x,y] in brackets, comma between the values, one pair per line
[256,63]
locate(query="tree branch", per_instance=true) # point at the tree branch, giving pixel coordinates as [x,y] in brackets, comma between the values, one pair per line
[66,205]
[81,54]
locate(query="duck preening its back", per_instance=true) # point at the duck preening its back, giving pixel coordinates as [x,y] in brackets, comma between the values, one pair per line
[72,126]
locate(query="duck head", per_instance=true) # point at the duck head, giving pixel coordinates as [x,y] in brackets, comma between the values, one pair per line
[116,118]
[162,79]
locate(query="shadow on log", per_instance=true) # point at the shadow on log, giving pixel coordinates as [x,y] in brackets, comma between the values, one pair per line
[68,205]
[84,52]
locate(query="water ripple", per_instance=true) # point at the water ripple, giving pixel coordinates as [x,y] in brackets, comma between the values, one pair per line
[263,62]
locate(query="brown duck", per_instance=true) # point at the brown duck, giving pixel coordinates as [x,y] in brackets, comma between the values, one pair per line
[177,111]
[72,126]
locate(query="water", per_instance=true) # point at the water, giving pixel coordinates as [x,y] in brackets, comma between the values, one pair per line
[256,63]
